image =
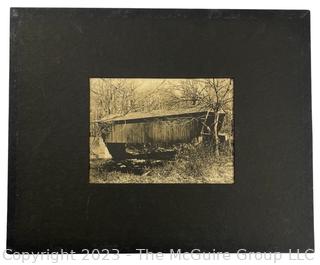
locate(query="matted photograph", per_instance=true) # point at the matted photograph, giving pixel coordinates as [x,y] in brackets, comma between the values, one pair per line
[161,130]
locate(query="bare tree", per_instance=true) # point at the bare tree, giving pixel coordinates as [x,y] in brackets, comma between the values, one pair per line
[185,93]
[220,98]
[214,94]
[113,96]
[121,96]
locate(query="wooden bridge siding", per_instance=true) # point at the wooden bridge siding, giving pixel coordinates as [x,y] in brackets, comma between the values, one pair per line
[155,132]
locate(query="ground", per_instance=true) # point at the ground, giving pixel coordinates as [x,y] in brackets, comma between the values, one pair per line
[192,165]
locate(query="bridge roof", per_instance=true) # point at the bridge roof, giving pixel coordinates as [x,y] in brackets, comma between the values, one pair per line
[153,114]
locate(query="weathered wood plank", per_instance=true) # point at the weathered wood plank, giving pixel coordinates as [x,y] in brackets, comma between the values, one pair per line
[154,132]
[181,129]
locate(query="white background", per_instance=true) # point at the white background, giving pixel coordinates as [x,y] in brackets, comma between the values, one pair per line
[225,4]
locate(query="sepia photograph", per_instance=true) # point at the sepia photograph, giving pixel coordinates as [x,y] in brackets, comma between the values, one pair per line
[153,133]
[161,130]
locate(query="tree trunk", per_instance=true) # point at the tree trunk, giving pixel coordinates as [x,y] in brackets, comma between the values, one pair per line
[215,136]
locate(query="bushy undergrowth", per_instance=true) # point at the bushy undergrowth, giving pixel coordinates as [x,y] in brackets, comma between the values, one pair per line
[192,164]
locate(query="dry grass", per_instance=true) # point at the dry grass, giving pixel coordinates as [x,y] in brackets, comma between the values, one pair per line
[191,165]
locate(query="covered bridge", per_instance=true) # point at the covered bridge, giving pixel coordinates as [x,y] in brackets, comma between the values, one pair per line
[156,127]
